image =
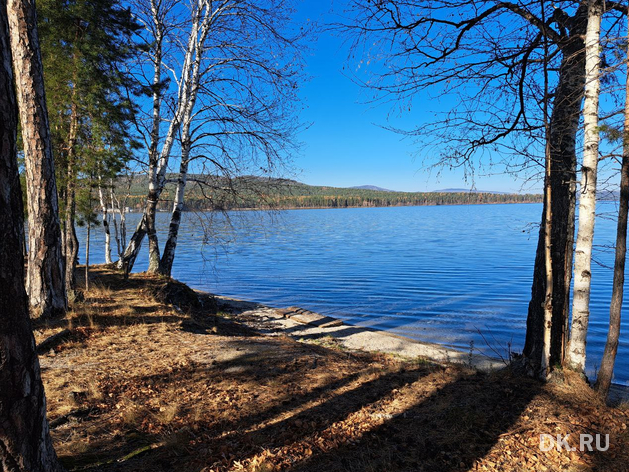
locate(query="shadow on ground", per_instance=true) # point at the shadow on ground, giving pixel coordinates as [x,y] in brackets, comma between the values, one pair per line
[275,404]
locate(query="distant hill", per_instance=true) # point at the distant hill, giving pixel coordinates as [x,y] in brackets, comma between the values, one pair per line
[372,187]
[211,192]
[464,190]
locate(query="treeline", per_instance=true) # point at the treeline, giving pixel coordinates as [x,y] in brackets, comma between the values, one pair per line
[330,197]
[212,193]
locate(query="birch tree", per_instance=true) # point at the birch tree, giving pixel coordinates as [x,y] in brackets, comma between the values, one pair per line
[548,222]
[25,444]
[45,280]
[490,55]
[231,48]
[119,208]
[156,16]
[587,202]
[244,120]
[606,371]
[105,219]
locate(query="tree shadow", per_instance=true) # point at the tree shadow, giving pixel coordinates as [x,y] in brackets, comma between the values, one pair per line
[252,366]
[445,428]
[447,431]
[412,417]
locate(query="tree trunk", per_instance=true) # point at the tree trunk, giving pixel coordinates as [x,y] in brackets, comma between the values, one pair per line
[151,229]
[119,232]
[45,280]
[564,125]
[130,254]
[127,260]
[25,443]
[186,96]
[548,224]
[154,154]
[548,264]
[71,242]
[587,202]
[168,256]
[87,258]
[105,219]
[605,373]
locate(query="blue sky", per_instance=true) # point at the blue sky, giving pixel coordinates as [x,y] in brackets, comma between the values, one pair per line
[346,145]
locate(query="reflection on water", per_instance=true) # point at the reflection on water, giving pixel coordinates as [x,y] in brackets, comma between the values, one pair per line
[446,274]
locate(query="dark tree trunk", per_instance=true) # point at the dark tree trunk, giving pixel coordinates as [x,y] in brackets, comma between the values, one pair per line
[25,444]
[87,258]
[605,374]
[45,279]
[70,240]
[564,126]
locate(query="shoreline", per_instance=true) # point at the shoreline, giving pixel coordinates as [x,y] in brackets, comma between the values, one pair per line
[314,327]
[349,206]
[310,326]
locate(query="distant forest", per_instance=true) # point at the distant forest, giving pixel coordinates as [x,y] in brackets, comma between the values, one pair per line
[212,193]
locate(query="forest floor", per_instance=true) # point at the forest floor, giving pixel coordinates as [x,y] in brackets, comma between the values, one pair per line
[134,383]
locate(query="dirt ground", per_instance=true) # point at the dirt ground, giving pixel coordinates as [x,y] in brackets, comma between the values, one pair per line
[138,384]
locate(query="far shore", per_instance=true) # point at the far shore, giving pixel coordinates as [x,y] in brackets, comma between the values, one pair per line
[346,207]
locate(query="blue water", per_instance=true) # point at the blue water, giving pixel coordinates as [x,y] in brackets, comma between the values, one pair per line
[453,275]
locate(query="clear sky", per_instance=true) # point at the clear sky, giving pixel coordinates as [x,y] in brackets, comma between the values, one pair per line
[346,145]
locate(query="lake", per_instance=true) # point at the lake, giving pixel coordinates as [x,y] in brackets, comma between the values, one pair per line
[455,275]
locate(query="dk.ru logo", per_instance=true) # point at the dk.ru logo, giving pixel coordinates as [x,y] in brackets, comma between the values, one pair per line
[548,442]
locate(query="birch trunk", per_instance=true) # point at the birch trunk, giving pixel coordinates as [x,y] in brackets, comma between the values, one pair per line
[587,203]
[105,220]
[548,303]
[45,279]
[119,233]
[188,87]
[127,260]
[545,366]
[564,125]
[168,256]
[606,372]
[25,443]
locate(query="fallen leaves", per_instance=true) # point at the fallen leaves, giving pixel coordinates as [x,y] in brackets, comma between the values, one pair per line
[162,398]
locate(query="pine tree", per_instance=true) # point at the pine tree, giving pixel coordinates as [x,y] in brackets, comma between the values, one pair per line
[25,444]
[87,43]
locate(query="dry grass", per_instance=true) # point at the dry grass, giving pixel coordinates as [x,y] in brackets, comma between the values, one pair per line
[140,386]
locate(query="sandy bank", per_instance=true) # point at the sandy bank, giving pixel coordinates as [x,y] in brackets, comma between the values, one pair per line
[312,327]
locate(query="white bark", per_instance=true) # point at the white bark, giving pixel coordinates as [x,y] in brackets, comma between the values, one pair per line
[105,219]
[166,261]
[202,17]
[587,203]
[548,302]
[548,227]
[119,208]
